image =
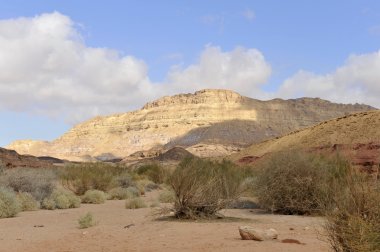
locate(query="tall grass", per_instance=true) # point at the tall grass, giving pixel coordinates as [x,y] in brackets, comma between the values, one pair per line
[202,187]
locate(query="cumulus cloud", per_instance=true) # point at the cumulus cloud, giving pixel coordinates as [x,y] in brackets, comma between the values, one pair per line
[47,68]
[358,80]
[242,70]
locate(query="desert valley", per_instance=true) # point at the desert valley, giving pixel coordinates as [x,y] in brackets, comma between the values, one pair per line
[136,155]
[205,126]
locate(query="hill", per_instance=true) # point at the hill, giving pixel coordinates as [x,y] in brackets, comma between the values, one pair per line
[207,123]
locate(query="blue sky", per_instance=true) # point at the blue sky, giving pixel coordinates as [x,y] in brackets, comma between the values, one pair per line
[327,49]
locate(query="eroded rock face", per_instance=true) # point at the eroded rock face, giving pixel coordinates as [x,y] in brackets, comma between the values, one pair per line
[215,118]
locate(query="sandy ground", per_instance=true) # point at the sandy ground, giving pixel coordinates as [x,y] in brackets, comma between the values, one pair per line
[60,232]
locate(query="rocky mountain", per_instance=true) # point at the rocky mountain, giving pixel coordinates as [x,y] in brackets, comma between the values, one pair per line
[356,136]
[206,123]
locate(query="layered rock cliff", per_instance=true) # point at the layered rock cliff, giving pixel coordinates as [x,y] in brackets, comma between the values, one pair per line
[198,121]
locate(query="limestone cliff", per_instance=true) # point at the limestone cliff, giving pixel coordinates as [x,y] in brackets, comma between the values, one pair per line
[196,121]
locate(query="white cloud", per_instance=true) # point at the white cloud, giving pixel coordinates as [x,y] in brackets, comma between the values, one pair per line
[242,70]
[358,80]
[47,68]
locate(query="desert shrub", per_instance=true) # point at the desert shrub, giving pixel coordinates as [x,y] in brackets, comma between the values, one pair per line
[124,180]
[27,202]
[86,221]
[80,178]
[9,205]
[154,204]
[61,199]
[166,196]
[154,172]
[94,197]
[354,224]
[38,182]
[295,182]
[204,187]
[134,203]
[123,193]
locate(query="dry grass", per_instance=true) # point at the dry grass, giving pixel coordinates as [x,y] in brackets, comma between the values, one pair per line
[202,188]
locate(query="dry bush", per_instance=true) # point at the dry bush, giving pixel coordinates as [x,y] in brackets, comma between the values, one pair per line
[38,182]
[61,199]
[134,203]
[120,193]
[86,221]
[9,205]
[166,196]
[27,202]
[295,182]
[154,172]
[204,187]
[94,197]
[80,178]
[354,224]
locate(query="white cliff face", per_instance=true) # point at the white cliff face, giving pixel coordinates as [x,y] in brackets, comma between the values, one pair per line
[172,117]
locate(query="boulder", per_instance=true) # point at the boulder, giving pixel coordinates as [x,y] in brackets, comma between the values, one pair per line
[256,234]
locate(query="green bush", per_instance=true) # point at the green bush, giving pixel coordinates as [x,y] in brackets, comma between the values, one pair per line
[354,224]
[86,221]
[80,178]
[61,199]
[27,202]
[203,187]
[134,203]
[166,196]
[120,193]
[38,182]
[154,172]
[9,205]
[94,197]
[295,182]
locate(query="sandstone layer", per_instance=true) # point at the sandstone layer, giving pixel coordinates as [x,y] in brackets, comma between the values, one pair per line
[198,122]
[11,159]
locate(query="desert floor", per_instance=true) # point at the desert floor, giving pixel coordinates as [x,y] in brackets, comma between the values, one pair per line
[58,230]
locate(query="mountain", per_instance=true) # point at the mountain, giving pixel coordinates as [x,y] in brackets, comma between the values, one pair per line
[356,136]
[207,123]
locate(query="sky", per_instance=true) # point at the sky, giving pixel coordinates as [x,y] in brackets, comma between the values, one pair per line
[63,62]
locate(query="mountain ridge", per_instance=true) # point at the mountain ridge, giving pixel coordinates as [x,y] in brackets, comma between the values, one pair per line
[209,116]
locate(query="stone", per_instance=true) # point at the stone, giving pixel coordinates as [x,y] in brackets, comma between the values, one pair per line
[210,122]
[256,234]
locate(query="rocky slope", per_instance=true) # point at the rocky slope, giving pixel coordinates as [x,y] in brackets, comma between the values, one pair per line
[356,137]
[208,122]
[11,159]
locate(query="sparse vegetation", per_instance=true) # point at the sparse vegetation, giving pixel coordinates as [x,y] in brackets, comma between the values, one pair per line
[86,176]
[295,182]
[61,199]
[27,202]
[203,187]
[94,197]
[354,224]
[134,203]
[154,172]
[166,196]
[38,182]
[86,221]
[9,205]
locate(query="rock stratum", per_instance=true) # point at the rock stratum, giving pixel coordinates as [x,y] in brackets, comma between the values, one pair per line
[206,123]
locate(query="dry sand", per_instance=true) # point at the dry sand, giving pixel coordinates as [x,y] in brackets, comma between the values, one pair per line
[60,232]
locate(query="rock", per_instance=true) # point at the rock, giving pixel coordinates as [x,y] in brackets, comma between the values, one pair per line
[251,233]
[221,121]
